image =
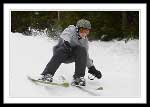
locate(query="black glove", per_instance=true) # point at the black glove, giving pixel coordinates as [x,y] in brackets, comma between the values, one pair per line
[92,70]
[67,46]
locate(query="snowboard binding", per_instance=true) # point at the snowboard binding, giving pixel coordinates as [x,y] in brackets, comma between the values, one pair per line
[78,82]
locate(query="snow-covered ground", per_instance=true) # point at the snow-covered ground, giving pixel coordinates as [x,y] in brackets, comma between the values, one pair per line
[118,62]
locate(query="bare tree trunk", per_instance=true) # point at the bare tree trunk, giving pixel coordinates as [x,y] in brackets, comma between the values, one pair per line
[124,21]
[58,14]
[124,24]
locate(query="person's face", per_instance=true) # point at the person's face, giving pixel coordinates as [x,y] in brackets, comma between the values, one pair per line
[83,32]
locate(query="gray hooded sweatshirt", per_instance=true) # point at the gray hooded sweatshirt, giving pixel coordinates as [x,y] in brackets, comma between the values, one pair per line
[70,34]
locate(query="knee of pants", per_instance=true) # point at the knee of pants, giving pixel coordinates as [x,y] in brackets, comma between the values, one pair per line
[79,50]
[60,55]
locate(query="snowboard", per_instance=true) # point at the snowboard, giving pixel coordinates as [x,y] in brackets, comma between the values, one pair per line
[63,84]
[86,89]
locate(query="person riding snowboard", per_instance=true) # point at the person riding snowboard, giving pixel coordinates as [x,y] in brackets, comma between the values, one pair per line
[72,47]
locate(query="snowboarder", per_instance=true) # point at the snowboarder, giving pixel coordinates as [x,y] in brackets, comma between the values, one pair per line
[72,47]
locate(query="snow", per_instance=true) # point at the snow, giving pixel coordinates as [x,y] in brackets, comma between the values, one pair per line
[117,60]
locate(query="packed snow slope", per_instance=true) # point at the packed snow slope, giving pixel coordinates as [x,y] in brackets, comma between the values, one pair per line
[118,61]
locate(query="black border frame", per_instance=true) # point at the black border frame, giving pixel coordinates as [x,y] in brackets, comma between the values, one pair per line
[82,1]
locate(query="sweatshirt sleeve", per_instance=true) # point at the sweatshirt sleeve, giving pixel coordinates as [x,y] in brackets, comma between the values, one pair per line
[89,60]
[67,33]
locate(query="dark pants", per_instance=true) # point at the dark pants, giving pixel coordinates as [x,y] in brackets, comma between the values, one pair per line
[62,55]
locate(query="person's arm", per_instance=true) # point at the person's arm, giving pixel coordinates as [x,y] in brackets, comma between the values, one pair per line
[67,46]
[89,61]
[91,68]
[66,36]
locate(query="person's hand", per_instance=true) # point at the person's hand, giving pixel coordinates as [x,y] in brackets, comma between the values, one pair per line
[67,46]
[92,70]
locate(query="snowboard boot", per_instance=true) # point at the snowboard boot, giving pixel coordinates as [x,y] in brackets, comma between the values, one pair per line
[78,81]
[46,78]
